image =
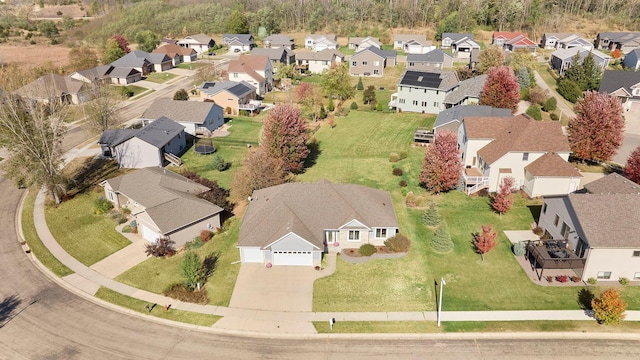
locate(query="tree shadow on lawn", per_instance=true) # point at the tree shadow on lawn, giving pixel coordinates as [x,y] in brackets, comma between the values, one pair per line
[314,153]
[90,172]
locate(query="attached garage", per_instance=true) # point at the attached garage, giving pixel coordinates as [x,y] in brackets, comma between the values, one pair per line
[294,258]
[251,254]
[150,235]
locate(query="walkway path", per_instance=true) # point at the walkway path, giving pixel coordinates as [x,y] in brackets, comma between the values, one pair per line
[565,109]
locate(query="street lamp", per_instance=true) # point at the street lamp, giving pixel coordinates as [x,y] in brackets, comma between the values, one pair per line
[442,283]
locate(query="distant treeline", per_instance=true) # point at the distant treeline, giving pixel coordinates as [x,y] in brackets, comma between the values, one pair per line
[349,17]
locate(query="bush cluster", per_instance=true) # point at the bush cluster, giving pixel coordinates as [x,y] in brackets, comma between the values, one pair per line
[394,157]
[194,244]
[102,205]
[367,250]
[397,172]
[398,243]
[519,248]
[180,292]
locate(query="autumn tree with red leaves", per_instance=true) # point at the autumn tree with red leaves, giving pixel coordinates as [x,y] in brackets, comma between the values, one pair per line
[441,168]
[616,54]
[216,194]
[609,307]
[122,43]
[259,170]
[503,198]
[309,96]
[485,241]
[501,90]
[632,168]
[284,136]
[597,130]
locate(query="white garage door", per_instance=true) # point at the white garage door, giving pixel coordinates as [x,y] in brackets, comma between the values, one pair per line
[251,255]
[149,234]
[302,258]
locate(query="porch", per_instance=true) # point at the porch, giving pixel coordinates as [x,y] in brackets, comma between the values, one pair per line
[552,254]
[474,180]
[393,103]
[252,105]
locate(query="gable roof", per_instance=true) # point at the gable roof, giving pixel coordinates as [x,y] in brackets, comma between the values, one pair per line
[433,56]
[245,39]
[557,36]
[471,87]
[111,137]
[608,220]
[359,40]
[384,54]
[181,111]
[612,184]
[172,49]
[309,208]
[455,37]
[238,89]
[250,64]
[157,133]
[271,53]
[198,38]
[50,85]
[552,165]
[613,80]
[317,37]
[508,35]
[518,133]
[568,54]
[279,39]
[459,112]
[521,40]
[123,72]
[96,73]
[322,55]
[407,37]
[165,196]
[434,79]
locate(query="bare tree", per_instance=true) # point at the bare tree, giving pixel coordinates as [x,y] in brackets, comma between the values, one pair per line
[102,106]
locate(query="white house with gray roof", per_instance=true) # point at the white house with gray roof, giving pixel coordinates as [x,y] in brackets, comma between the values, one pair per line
[319,42]
[164,204]
[423,91]
[239,42]
[201,43]
[148,146]
[562,59]
[600,227]
[467,92]
[318,61]
[276,41]
[460,44]
[632,60]
[451,118]
[433,60]
[198,118]
[294,223]
[144,62]
[625,85]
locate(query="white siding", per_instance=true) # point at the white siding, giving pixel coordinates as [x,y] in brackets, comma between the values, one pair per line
[546,185]
[620,262]
[136,153]
[251,254]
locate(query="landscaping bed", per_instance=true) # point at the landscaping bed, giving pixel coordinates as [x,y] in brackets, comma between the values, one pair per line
[382,252]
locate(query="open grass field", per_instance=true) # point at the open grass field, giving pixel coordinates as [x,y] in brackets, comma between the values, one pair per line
[156,274]
[31,56]
[243,131]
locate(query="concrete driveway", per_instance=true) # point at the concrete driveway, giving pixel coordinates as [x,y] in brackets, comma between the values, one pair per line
[280,288]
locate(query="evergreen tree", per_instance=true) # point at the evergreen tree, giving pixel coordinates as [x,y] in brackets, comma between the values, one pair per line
[369,95]
[360,84]
[331,107]
[523,78]
[431,216]
[441,241]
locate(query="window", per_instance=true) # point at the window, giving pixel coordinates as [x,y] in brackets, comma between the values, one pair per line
[636,276]
[376,71]
[565,230]
[525,156]
[636,253]
[364,63]
[544,208]
[415,102]
[353,63]
[235,75]
[401,101]
[424,104]
[354,235]
[376,63]
[325,62]
[604,275]
[555,221]
[381,233]
[435,104]
[412,64]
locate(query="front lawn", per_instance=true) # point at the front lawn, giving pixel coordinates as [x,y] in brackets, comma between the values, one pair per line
[84,235]
[189,66]
[156,274]
[160,78]
[243,131]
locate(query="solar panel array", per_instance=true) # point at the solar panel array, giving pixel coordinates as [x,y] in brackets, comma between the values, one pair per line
[421,79]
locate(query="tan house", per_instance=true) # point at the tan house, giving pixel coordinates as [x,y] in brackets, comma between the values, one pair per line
[256,70]
[371,62]
[361,43]
[276,41]
[232,96]
[54,88]
[598,228]
[294,223]
[316,62]
[201,43]
[177,54]
[164,204]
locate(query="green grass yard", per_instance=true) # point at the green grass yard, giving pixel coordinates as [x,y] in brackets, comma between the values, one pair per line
[160,78]
[84,235]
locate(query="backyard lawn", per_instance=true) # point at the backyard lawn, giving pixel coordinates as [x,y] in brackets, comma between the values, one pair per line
[156,274]
[243,131]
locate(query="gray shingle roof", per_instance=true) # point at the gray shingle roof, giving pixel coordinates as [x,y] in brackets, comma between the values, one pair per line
[96,73]
[168,198]
[613,80]
[181,111]
[157,133]
[459,112]
[238,89]
[433,56]
[279,39]
[323,55]
[113,138]
[612,184]
[467,88]
[123,72]
[457,36]
[309,208]
[245,39]
[271,53]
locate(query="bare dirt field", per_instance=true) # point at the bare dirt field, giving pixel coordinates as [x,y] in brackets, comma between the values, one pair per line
[30,56]
[74,11]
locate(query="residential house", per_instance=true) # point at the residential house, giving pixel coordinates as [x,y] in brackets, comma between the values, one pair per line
[451,118]
[276,41]
[124,76]
[144,62]
[550,40]
[412,44]
[54,88]
[177,54]
[400,40]
[158,143]
[361,43]
[319,42]
[371,62]
[460,44]
[493,148]
[239,42]
[163,204]
[254,69]
[625,85]
[466,93]
[632,60]
[201,43]
[319,61]
[434,59]
[562,59]
[423,91]
[513,41]
[624,41]
[474,58]
[232,96]
[572,41]
[95,75]
[294,223]
[198,118]
[598,227]
[281,55]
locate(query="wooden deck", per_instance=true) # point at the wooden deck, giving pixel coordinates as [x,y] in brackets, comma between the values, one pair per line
[552,254]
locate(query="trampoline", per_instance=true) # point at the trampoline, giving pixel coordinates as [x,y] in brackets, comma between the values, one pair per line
[205,146]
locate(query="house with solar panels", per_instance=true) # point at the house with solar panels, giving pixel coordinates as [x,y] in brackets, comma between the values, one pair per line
[423,91]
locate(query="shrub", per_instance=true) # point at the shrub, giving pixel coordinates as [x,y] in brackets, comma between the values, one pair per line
[411,200]
[623,281]
[553,116]
[524,94]
[194,244]
[119,216]
[398,243]
[379,107]
[549,279]
[592,281]
[205,235]
[219,163]
[550,104]
[161,247]
[181,95]
[534,112]
[403,155]
[537,95]
[519,248]
[353,106]
[126,229]
[569,90]
[394,157]
[102,205]
[562,278]
[367,250]
[575,278]
[441,241]
[431,216]
[343,112]
[397,172]
[180,292]
[609,307]
[403,183]
[330,106]
[228,110]
[538,231]
[360,85]
[403,192]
